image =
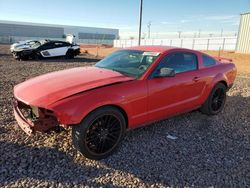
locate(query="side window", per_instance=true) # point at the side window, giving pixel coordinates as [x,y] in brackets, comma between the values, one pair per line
[47,46]
[66,44]
[208,61]
[61,44]
[180,62]
[58,44]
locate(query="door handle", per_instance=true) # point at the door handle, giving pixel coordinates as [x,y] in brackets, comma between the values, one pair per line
[196,78]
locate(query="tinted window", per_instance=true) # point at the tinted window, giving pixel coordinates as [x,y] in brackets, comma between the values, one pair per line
[65,44]
[180,62]
[46,46]
[59,44]
[208,61]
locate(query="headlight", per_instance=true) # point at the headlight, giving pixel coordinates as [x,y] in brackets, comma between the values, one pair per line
[35,111]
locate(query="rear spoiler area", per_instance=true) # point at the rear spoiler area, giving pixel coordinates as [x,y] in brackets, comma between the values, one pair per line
[223,60]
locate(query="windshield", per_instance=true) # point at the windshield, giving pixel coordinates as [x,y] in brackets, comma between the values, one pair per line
[129,62]
[35,44]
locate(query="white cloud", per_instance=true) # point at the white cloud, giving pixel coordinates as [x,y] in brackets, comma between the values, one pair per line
[120,27]
[177,22]
[221,17]
[186,21]
[167,23]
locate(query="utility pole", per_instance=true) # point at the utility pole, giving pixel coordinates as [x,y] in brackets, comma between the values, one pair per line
[149,27]
[179,33]
[140,20]
[221,33]
[199,34]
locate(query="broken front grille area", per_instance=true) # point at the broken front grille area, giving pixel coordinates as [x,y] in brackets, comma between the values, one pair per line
[40,119]
[27,111]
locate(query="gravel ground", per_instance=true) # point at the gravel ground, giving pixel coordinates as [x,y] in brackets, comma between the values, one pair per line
[207,151]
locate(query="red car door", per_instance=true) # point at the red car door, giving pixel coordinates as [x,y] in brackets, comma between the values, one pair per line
[170,95]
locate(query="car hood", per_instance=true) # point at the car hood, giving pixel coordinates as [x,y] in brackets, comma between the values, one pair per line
[49,88]
[23,47]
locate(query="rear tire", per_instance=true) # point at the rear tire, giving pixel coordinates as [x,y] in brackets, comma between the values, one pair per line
[99,134]
[215,101]
[70,54]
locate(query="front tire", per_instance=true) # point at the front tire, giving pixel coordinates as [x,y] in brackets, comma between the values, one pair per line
[36,56]
[99,134]
[215,101]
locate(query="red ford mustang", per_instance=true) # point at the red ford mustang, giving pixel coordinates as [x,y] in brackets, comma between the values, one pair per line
[130,88]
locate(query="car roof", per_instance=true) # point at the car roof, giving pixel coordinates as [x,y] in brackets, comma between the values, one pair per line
[58,41]
[159,49]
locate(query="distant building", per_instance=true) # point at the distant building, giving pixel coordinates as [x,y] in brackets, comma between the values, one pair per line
[11,32]
[243,42]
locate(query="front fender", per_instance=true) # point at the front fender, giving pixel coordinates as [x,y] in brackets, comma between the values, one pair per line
[73,110]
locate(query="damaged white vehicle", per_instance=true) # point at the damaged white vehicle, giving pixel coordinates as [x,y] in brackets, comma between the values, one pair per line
[46,49]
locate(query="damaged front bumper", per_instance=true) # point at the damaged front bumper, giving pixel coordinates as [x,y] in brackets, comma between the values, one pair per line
[31,120]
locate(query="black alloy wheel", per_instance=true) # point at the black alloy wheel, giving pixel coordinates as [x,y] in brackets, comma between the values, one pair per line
[103,133]
[99,134]
[70,54]
[215,101]
[218,99]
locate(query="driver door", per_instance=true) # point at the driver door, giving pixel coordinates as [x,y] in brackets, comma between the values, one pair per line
[60,49]
[170,95]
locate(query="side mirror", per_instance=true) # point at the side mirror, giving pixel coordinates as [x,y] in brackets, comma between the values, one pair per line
[165,72]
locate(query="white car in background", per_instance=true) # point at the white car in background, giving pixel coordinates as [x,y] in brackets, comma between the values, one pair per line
[46,49]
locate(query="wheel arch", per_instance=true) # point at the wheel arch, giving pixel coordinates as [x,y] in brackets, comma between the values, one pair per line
[217,81]
[223,82]
[206,106]
[220,78]
[70,49]
[122,110]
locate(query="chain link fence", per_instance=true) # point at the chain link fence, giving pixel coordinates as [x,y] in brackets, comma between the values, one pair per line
[213,43]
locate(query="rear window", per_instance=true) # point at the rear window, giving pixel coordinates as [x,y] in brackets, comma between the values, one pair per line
[208,61]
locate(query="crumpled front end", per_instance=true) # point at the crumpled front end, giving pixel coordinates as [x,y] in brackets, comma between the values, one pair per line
[32,119]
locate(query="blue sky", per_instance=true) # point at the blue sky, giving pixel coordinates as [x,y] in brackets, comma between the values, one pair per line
[165,15]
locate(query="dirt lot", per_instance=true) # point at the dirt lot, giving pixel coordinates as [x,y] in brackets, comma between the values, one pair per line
[208,151]
[97,50]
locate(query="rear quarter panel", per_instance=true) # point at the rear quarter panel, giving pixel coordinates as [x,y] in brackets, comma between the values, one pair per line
[221,72]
